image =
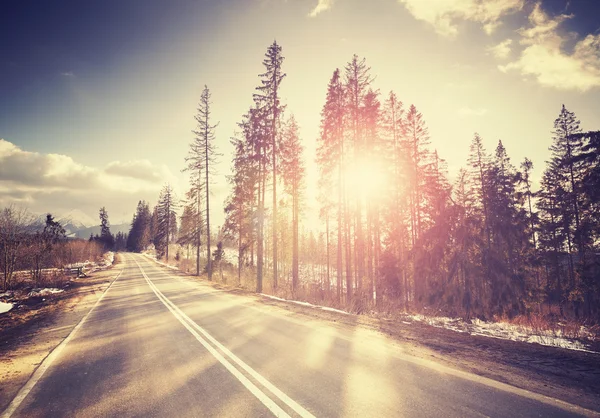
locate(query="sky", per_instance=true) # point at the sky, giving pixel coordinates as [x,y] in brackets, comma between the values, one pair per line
[97,98]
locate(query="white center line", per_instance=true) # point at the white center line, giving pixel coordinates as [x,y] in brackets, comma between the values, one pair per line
[192,327]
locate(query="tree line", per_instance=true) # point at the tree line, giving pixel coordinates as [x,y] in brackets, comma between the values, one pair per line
[397,231]
[486,243]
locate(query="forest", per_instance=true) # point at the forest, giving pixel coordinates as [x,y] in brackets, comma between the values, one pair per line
[397,230]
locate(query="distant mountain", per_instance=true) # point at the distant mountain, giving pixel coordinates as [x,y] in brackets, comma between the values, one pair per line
[75,219]
[93,230]
[80,225]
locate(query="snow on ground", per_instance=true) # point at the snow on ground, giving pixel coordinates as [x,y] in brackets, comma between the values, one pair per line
[45,291]
[109,259]
[503,331]
[297,302]
[5,307]
[153,257]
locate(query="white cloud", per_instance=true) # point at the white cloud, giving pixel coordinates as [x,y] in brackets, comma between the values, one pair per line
[57,183]
[467,111]
[137,169]
[444,14]
[322,6]
[545,59]
[502,50]
[68,74]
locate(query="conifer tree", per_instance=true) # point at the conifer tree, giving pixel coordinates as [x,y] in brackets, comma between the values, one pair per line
[330,158]
[140,235]
[293,169]
[526,167]
[200,161]
[107,239]
[357,82]
[269,101]
[166,220]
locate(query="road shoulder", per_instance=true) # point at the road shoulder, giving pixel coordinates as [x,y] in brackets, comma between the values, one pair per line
[28,337]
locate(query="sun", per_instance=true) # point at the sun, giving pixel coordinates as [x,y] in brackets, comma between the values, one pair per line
[366,179]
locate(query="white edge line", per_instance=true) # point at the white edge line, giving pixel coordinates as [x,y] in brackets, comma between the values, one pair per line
[47,362]
[268,402]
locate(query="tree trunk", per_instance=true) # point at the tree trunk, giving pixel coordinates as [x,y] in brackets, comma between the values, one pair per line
[208,255]
[198,223]
[295,260]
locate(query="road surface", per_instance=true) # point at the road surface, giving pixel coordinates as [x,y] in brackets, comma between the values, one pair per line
[157,344]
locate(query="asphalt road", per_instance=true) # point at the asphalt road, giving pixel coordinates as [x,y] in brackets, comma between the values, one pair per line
[161,345]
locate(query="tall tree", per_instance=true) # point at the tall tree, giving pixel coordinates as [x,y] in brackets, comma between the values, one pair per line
[373,153]
[357,83]
[200,160]
[140,235]
[166,220]
[240,205]
[107,239]
[564,175]
[526,167]
[293,176]
[330,158]
[42,244]
[268,100]
[396,149]
[14,226]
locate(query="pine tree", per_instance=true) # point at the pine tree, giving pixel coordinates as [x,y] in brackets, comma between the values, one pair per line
[373,154]
[140,236]
[526,167]
[478,161]
[416,142]
[200,160]
[268,100]
[397,162]
[293,170]
[107,239]
[330,159]
[357,83]
[187,226]
[166,220]
[563,177]
[240,207]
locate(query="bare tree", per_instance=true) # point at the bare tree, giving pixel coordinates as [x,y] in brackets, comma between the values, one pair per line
[15,223]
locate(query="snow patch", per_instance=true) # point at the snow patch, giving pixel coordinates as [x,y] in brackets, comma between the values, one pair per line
[153,257]
[5,307]
[502,330]
[109,259]
[297,302]
[44,292]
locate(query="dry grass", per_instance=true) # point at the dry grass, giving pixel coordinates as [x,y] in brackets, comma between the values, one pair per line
[548,325]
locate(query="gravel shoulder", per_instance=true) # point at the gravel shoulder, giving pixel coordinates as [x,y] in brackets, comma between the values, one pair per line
[29,333]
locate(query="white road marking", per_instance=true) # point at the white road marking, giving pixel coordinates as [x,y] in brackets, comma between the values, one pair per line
[192,327]
[47,362]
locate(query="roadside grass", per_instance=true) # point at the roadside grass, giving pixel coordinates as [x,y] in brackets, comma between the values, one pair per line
[555,327]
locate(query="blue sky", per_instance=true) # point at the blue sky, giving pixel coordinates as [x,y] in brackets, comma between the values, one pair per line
[97,98]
